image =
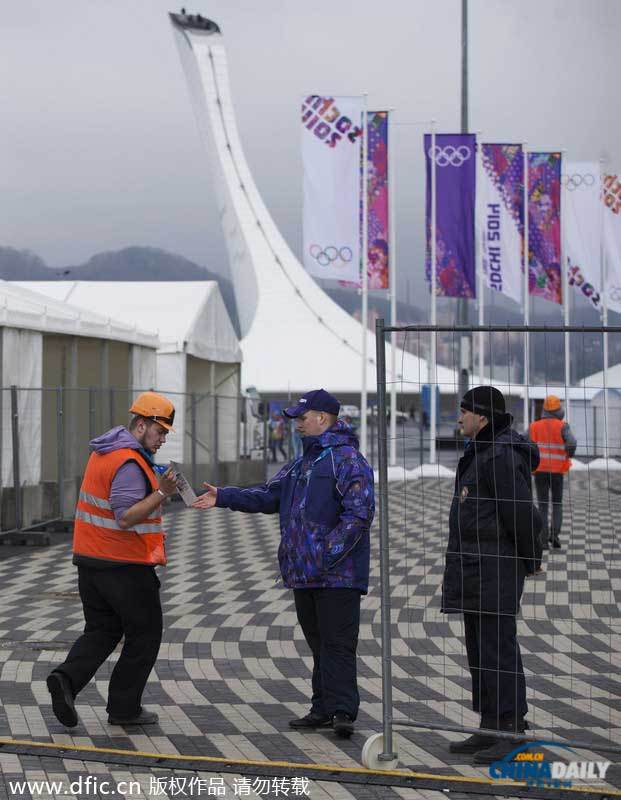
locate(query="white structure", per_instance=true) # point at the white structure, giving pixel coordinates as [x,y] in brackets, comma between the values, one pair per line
[294,337]
[198,354]
[44,343]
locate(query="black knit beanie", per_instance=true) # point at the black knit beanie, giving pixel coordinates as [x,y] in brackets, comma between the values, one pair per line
[485,400]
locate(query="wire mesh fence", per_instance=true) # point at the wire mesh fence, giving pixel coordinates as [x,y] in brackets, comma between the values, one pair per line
[458,672]
[46,433]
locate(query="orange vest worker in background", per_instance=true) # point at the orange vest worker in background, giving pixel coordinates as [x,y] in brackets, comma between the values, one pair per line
[118,540]
[556,445]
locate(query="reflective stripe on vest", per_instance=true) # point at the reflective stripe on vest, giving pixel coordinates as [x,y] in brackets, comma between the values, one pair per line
[547,434]
[97,533]
[92,500]
[111,524]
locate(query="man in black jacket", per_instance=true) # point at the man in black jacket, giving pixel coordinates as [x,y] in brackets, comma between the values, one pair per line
[493,544]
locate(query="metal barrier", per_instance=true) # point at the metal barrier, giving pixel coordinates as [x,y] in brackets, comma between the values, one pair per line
[570,611]
[45,436]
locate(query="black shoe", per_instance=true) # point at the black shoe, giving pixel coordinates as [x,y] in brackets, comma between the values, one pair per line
[556,543]
[496,752]
[343,725]
[310,722]
[62,699]
[545,545]
[473,744]
[143,718]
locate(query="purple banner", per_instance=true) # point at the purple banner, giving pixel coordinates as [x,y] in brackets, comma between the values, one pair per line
[377,170]
[544,226]
[377,203]
[455,170]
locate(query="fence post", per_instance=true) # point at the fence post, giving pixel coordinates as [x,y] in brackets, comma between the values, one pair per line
[216,454]
[111,400]
[15,440]
[193,435]
[91,413]
[265,416]
[60,431]
[382,435]
[421,436]
[245,416]
[237,428]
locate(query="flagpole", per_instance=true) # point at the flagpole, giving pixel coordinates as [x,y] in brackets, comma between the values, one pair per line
[432,349]
[365,276]
[604,284]
[479,260]
[392,269]
[526,294]
[565,290]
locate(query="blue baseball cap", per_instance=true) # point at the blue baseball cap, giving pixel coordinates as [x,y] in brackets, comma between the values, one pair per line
[316,400]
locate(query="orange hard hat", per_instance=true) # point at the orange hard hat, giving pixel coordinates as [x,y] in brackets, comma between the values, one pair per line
[152,405]
[551,403]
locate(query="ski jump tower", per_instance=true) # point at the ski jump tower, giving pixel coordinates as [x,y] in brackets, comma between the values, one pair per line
[294,337]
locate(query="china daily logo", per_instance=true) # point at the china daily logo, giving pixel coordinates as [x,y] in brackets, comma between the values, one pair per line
[533,769]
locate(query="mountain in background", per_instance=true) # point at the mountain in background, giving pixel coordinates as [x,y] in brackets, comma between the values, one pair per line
[153,264]
[130,264]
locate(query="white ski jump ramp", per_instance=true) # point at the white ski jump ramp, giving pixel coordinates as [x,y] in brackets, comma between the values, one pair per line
[294,337]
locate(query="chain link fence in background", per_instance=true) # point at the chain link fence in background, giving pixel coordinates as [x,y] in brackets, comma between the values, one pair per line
[45,434]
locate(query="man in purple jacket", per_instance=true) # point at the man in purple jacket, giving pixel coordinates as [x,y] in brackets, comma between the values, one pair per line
[326,504]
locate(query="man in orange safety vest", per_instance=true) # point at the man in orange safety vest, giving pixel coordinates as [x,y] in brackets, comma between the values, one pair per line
[557,445]
[118,541]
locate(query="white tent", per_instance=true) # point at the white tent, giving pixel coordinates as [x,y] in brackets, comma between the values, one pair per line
[45,343]
[198,354]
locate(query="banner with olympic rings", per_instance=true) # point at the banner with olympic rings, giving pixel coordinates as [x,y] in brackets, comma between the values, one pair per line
[455,170]
[544,226]
[331,153]
[582,220]
[611,199]
[500,218]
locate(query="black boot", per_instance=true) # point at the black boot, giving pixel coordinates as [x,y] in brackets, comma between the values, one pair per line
[310,722]
[473,744]
[502,747]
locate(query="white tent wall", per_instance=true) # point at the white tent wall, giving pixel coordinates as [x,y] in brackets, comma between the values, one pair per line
[210,419]
[143,369]
[606,429]
[171,381]
[59,422]
[581,423]
[22,367]
[227,381]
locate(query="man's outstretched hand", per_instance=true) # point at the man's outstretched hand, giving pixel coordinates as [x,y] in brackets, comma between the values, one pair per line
[207,500]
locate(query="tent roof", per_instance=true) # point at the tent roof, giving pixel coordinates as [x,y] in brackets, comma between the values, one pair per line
[23,307]
[188,316]
[596,380]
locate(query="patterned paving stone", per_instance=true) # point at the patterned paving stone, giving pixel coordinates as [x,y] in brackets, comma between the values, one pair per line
[234,667]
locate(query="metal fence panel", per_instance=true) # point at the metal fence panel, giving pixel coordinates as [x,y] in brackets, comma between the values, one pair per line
[570,620]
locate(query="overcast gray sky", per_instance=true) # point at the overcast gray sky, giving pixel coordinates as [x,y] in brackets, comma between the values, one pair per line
[99,149]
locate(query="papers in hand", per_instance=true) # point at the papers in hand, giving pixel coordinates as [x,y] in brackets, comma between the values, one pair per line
[183,485]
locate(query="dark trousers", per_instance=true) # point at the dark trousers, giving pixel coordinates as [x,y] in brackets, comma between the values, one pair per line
[117,602]
[330,620]
[495,662]
[546,484]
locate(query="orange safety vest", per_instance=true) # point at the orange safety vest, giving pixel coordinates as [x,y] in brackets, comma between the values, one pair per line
[96,533]
[546,433]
